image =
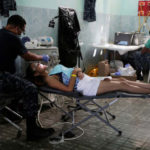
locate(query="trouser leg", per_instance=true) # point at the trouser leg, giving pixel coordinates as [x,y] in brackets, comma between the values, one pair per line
[145,63]
[13,83]
[138,61]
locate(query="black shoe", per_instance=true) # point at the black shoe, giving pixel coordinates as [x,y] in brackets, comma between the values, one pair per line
[140,78]
[35,132]
[69,134]
[39,133]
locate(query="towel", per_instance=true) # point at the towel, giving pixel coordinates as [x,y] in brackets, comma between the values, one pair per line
[59,69]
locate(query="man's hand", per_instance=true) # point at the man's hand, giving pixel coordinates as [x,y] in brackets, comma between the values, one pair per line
[76,70]
[80,75]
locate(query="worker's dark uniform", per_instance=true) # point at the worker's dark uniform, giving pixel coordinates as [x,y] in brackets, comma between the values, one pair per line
[10,47]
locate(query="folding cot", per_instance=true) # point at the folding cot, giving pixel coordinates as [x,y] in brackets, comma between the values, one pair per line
[82,101]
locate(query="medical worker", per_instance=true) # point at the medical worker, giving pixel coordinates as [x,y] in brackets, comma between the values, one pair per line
[10,47]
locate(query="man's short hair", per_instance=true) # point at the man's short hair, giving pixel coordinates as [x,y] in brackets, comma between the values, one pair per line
[16,20]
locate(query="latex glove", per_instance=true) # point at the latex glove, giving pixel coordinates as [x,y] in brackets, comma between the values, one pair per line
[45,58]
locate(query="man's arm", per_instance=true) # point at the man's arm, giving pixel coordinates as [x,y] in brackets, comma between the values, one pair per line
[31,56]
[55,83]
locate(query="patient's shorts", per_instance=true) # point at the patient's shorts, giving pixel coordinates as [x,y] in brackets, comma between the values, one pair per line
[89,85]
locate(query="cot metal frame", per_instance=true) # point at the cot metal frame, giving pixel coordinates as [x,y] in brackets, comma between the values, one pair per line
[82,101]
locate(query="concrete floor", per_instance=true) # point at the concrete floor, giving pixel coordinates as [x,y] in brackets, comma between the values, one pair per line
[132,118]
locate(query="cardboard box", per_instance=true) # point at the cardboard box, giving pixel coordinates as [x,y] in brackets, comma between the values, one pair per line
[103,68]
[132,78]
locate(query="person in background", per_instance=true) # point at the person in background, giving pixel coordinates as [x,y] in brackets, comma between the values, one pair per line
[146,48]
[69,79]
[142,60]
[10,47]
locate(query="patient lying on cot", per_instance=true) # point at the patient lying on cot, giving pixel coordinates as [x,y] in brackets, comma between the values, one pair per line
[69,79]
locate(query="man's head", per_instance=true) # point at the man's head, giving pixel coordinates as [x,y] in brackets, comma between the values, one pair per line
[16,24]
